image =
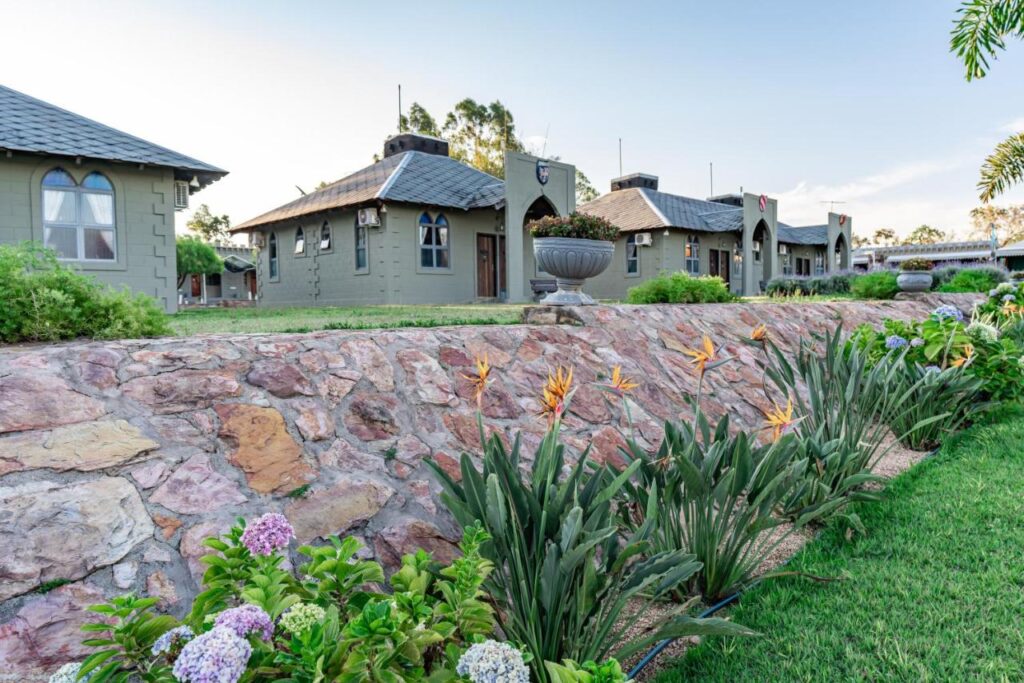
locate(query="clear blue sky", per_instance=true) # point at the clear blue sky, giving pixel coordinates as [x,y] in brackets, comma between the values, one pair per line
[806,101]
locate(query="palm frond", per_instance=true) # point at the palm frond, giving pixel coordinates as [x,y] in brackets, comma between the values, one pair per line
[1003,167]
[980,29]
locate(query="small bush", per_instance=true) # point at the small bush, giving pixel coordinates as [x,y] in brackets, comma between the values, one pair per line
[912,264]
[973,280]
[680,288]
[880,284]
[1017,275]
[41,299]
[576,225]
[944,274]
[789,285]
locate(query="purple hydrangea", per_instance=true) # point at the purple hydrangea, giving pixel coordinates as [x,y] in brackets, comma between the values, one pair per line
[217,656]
[932,368]
[895,341]
[947,311]
[268,533]
[245,620]
[916,341]
[176,636]
[1009,297]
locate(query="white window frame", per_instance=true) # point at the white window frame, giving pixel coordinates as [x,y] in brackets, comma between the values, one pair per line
[273,257]
[364,248]
[756,246]
[326,237]
[632,260]
[691,254]
[433,226]
[300,242]
[78,225]
[819,262]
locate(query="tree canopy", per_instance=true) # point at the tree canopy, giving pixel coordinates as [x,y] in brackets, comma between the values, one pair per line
[196,257]
[1008,221]
[209,227]
[884,236]
[925,234]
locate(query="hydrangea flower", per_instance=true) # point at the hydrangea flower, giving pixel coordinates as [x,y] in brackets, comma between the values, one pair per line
[246,620]
[1002,287]
[493,662]
[217,656]
[932,368]
[176,636]
[69,674]
[301,617]
[268,533]
[992,292]
[947,311]
[982,331]
[916,341]
[895,341]
[1009,297]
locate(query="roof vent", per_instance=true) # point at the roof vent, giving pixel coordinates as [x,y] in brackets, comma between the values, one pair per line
[730,199]
[406,142]
[635,180]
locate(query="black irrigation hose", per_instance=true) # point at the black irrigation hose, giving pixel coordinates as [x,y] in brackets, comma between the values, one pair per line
[657,650]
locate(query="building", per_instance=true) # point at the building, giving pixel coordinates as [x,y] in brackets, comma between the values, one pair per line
[416,227]
[1012,256]
[237,283]
[102,199]
[867,258]
[664,232]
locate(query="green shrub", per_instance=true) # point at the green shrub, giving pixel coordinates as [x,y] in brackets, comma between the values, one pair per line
[577,225]
[944,274]
[879,284]
[680,288]
[916,264]
[563,574]
[821,285]
[970,280]
[42,299]
[939,402]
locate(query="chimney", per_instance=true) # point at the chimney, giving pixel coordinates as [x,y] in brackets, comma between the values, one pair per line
[731,199]
[405,142]
[635,180]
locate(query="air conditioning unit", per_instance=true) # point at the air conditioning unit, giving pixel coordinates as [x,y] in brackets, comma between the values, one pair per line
[256,239]
[644,239]
[783,249]
[369,218]
[180,194]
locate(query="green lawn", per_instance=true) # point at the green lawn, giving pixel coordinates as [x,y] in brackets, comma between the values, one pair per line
[934,593]
[241,320]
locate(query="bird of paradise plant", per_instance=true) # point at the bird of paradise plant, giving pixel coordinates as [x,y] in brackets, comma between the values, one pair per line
[480,379]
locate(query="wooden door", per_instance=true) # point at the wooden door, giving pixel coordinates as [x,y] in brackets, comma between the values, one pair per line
[502,267]
[197,286]
[486,266]
[713,263]
[723,265]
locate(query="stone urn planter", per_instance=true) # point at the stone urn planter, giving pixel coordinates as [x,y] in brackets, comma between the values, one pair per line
[914,280]
[571,260]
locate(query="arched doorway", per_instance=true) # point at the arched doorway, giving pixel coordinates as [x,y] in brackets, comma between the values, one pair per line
[841,253]
[539,281]
[762,263]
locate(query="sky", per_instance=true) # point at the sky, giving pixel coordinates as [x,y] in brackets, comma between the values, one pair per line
[807,101]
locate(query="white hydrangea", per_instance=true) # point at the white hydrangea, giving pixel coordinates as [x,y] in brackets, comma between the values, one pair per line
[301,617]
[1003,288]
[69,674]
[983,331]
[493,662]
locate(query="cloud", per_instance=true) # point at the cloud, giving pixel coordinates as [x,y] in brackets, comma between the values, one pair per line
[535,144]
[1015,126]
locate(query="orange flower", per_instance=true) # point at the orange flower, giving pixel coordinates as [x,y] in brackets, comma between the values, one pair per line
[968,352]
[556,392]
[760,333]
[701,357]
[621,383]
[481,378]
[780,421]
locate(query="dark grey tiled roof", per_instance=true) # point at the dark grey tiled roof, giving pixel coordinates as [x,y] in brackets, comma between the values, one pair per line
[808,234]
[645,209]
[409,177]
[31,125]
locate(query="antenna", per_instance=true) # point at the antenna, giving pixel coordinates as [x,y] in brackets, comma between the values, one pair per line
[547,131]
[301,191]
[711,174]
[399,107]
[831,203]
[620,157]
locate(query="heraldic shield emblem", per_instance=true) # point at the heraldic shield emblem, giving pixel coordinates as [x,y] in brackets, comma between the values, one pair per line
[543,172]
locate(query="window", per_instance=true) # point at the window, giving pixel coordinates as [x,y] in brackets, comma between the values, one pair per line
[757,252]
[632,256]
[300,241]
[213,280]
[434,247]
[692,255]
[78,220]
[819,262]
[325,237]
[786,258]
[362,262]
[272,254]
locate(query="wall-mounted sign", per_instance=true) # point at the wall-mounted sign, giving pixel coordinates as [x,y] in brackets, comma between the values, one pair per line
[842,219]
[543,172]
[762,202]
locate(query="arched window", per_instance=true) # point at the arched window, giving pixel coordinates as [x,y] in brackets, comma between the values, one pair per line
[325,236]
[272,254]
[300,241]
[693,255]
[78,220]
[434,245]
[632,256]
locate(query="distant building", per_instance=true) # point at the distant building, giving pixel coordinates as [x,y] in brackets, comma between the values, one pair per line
[867,258]
[236,283]
[102,199]
[1012,255]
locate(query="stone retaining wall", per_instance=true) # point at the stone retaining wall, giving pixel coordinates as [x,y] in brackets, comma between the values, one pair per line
[118,458]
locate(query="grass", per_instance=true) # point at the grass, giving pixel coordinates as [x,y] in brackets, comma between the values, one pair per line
[933,593]
[257,319]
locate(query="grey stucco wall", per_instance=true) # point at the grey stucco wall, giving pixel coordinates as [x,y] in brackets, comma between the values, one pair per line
[144,219]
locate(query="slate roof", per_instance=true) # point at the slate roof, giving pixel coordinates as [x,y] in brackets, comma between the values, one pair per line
[31,125]
[807,234]
[641,208]
[408,177]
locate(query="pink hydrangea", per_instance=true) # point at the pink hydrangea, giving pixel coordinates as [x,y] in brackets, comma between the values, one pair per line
[268,533]
[246,620]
